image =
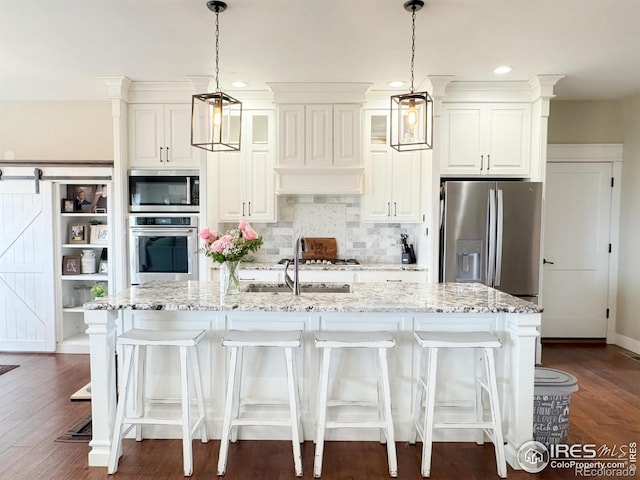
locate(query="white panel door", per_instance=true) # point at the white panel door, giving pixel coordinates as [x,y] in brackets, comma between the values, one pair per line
[576,247]
[319,135]
[180,153]
[146,135]
[462,139]
[406,187]
[509,140]
[27,320]
[377,197]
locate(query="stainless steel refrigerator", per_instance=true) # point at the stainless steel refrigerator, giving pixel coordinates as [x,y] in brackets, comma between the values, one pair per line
[490,233]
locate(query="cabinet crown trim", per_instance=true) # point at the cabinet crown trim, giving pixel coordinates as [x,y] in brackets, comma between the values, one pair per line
[284,92]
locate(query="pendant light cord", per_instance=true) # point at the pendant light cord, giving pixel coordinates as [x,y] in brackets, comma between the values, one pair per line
[218,50]
[413,42]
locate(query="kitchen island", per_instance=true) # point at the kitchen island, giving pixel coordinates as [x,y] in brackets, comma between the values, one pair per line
[401,308]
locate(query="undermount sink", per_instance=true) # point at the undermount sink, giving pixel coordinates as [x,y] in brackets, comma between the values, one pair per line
[304,288]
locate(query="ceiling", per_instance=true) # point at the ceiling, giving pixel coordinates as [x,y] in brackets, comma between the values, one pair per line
[58,50]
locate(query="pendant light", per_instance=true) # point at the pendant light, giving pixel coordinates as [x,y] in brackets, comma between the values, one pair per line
[216,118]
[412,113]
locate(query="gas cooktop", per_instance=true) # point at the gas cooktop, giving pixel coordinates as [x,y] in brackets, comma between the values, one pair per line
[335,261]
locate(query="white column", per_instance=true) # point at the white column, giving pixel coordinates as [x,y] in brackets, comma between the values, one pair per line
[521,343]
[102,340]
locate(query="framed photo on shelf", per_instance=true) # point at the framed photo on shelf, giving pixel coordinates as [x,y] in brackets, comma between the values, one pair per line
[82,196]
[103,267]
[99,234]
[71,265]
[78,233]
[68,206]
[99,204]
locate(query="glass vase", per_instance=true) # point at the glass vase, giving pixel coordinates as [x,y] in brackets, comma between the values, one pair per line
[229,279]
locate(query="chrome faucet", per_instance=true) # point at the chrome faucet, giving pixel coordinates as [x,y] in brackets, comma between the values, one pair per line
[294,285]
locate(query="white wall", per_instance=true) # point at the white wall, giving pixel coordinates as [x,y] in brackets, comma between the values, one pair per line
[585,122]
[56,130]
[628,318]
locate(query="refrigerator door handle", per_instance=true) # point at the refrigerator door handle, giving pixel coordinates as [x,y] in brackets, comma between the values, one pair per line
[499,231]
[491,220]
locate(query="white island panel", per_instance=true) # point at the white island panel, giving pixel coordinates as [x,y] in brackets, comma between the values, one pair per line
[399,308]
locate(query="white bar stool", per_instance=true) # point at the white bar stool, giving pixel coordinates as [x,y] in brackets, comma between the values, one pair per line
[237,340]
[381,341]
[135,343]
[427,384]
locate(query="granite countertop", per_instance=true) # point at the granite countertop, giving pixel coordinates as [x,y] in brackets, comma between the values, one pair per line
[364,297]
[304,266]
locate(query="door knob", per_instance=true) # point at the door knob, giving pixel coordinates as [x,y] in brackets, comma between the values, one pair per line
[545,261]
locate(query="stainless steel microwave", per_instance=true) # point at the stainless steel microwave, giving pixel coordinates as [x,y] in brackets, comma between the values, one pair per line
[164,191]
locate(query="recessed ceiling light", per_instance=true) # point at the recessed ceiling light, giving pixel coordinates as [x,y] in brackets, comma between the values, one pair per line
[239,84]
[502,69]
[396,84]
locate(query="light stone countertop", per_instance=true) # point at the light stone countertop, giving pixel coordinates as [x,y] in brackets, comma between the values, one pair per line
[303,266]
[364,297]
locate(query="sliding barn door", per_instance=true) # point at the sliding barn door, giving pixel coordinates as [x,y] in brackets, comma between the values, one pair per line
[27,321]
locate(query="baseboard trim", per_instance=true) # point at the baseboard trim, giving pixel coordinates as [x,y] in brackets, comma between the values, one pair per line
[590,341]
[628,343]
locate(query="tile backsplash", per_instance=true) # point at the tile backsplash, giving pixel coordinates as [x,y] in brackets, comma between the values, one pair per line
[336,216]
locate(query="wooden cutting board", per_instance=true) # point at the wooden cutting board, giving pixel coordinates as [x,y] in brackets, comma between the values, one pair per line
[320,248]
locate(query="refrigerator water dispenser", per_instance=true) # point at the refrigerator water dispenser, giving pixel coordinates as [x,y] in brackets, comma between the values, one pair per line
[469,261]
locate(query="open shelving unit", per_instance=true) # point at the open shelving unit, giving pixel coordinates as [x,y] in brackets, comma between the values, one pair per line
[74,274]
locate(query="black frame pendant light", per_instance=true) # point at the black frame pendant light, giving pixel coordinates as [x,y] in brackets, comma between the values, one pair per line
[412,113]
[216,118]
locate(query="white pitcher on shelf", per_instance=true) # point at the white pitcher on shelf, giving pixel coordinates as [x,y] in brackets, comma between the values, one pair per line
[88,261]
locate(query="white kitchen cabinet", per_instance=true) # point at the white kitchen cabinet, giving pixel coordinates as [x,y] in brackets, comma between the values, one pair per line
[486,139]
[246,179]
[392,179]
[319,148]
[160,136]
[319,135]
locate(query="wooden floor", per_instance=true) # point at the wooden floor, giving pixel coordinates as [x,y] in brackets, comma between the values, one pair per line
[35,410]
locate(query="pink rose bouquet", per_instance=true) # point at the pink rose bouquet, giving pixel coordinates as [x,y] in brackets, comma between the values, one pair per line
[233,245]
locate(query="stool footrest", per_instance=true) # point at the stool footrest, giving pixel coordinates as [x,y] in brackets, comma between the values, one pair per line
[364,424]
[482,425]
[152,421]
[350,403]
[244,422]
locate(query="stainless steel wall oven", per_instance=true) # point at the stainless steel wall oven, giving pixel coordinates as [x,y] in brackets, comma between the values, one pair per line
[163,248]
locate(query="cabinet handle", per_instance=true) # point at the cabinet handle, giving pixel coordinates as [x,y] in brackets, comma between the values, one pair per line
[388,209]
[395,209]
[481,162]
[243,209]
[161,154]
[488,162]
[249,208]
[394,280]
[167,154]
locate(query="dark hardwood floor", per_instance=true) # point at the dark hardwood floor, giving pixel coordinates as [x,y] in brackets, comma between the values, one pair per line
[35,410]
